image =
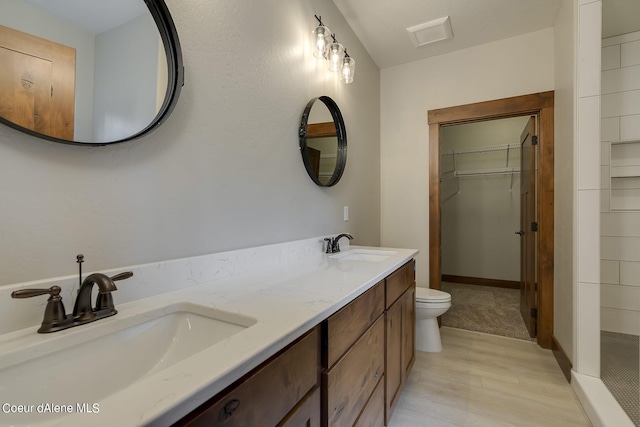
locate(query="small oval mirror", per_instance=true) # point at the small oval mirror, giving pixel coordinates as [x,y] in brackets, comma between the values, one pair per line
[323,141]
[88,72]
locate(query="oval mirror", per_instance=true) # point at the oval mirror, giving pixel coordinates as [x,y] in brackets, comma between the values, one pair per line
[323,141]
[88,72]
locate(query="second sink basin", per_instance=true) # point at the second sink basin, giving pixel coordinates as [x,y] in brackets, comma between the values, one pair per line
[371,255]
[96,361]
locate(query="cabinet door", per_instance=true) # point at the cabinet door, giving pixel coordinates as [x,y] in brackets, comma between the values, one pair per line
[348,385]
[408,331]
[394,371]
[373,414]
[306,414]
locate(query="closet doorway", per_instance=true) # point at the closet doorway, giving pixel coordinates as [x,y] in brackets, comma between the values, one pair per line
[536,266]
[482,236]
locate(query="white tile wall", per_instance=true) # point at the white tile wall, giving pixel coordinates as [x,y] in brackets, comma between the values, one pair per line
[630,54]
[611,57]
[630,273]
[610,271]
[620,297]
[621,79]
[621,321]
[621,104]
[630,127]
[620,231]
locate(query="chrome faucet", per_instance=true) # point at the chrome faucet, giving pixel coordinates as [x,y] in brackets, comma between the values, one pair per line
[332,242]
[55,317]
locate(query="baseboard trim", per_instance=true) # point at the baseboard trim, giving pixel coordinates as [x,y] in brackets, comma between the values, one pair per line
[496,283]
[561,357]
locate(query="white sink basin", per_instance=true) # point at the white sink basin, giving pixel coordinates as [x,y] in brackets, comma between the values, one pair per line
[94,361]
[371,255]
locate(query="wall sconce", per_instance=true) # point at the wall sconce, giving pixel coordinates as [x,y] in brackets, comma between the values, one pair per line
[333,51]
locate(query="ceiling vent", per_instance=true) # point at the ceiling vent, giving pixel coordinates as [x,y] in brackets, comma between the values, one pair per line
[431,32]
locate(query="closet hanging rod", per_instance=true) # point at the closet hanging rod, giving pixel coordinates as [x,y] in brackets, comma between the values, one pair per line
[483,149]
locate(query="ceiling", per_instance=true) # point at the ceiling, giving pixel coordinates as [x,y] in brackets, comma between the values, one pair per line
[381,24]
[95,16]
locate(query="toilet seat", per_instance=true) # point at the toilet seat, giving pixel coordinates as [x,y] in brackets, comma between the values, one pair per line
[428,295]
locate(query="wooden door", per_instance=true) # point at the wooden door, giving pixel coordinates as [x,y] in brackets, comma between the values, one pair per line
[528,227]
[37,83]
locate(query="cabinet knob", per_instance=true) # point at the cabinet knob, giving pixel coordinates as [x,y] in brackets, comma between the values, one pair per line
[228,409]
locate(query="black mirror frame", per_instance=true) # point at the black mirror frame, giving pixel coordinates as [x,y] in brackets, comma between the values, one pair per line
[341,134]
[175,80]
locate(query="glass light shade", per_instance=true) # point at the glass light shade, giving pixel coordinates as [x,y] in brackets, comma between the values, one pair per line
[348,69]
[335,55]
[322,35]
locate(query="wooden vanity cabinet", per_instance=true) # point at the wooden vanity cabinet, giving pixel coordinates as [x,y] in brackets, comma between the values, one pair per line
[400,327]
[283,391]
[348,371]
[353,361]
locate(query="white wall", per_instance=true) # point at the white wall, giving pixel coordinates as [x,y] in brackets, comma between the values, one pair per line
[223,172]
[511,67]
[620,234]
[26,18]
[125,97]
[480,220]
[564,181]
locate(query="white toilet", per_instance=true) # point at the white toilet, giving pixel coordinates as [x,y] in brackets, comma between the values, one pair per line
[430,303]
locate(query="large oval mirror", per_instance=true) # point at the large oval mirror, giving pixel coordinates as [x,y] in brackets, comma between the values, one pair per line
[323,141]
[88,72]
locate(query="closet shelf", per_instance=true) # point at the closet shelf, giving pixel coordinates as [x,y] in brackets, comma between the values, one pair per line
[492,171]
[483,149]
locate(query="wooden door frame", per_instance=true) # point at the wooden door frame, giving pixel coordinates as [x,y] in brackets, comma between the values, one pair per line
[540,104]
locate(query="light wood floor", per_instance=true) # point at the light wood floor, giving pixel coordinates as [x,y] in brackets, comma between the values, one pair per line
[487,380]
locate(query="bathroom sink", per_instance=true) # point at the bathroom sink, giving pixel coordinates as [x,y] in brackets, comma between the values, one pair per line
[371,255]
[101,359]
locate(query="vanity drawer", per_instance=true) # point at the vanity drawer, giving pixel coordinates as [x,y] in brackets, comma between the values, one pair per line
[348,324]
[268,394]
[348,385]
[399,281]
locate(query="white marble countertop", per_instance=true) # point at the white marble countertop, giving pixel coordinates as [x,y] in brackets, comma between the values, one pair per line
[286,301]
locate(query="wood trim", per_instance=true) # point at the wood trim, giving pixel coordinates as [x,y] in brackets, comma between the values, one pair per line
[561,357]
[321,130]
[540,104]
[479,281]
[434,207]
[496,109]
[545,226]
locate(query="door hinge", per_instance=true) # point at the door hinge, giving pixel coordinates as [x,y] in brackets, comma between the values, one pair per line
[534,313]
[534,140]
[52,91]
[534,226]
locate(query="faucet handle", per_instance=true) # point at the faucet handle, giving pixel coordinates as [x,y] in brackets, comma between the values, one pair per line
[122,276]
[329,241]
[28,293]
[55,317]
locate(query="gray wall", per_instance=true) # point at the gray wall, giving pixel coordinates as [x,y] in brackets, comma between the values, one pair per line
[223,172]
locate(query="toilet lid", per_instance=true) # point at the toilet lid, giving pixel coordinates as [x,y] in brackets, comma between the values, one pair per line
[431,295]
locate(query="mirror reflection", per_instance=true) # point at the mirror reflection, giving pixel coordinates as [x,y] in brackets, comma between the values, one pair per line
[323,141]
[84,71]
